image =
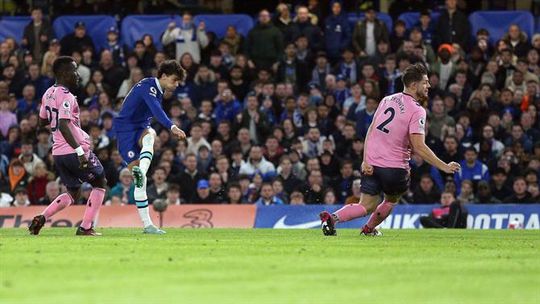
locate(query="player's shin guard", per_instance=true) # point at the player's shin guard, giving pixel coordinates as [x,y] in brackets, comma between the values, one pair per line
[92,207]
[381,213]
[57,205]
[147,152]
[350,212]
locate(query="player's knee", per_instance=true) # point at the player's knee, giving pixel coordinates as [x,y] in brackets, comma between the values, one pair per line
[394,199]
[149,138]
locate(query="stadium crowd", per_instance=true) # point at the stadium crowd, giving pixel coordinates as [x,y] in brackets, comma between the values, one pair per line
[280,116]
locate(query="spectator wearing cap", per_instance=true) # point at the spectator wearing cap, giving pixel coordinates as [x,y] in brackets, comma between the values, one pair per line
[337,33]
[264,43]
[188,37]
[367,34]
[21,198]
[444,67]
[291,70]
[113,44]
[471,169]
[36,35]
[267,196]
[76,41]
[453,26]
[203,194]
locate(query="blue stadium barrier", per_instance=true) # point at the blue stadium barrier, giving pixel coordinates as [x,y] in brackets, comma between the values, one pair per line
[413,18]
[403,216]
[135,26]
[219,23]
[355,17]
[13,27]
[498,22]
[96,27]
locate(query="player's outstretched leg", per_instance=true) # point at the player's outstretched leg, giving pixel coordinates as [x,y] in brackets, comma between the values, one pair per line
[139,176]
[381,213]
[92,208]
[57,205]
[345,214]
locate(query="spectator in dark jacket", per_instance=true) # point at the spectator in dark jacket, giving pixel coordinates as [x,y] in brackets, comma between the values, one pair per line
[453,26]
[76,41]
[360,39]
[520,195]
[264,42]
[303,26]
[426,192]
[254,120]
[291,70]
[337,33]
[37,35]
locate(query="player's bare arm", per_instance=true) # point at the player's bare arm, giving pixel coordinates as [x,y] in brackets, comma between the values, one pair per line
[63,126]
[419,147]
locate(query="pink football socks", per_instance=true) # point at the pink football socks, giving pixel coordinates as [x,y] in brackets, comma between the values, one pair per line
[59,203]
[92,207]
[383,210]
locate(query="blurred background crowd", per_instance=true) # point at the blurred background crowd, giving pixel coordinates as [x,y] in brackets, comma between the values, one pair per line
[280,115]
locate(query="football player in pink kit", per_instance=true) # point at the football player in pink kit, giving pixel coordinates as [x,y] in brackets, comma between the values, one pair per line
[73,159]
[398,124]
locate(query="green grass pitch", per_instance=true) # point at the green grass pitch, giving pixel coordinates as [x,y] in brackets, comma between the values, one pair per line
[270,266]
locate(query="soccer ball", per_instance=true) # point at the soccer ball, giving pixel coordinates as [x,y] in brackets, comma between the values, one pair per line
[515,224]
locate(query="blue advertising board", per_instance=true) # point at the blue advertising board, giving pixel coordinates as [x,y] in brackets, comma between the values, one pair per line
[403,216]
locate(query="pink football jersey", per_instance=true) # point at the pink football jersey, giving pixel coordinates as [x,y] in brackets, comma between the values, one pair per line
[388,144]
[58,103]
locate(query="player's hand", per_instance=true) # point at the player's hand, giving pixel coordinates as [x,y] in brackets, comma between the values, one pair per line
[178,133]
[202,25]
[367,169]
[83,162]
[171,25]
[452,167]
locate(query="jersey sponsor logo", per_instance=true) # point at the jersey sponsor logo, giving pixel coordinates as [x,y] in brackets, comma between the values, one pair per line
[153,92]
[280,224]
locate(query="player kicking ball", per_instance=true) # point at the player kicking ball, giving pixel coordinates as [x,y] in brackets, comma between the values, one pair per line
[136,138]
[73,159]
[398,124]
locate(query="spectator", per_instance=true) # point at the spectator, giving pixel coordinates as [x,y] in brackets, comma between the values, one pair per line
[233,40]
[264,43]
[203,195]
[302,26]
[426,192]
[216,188]
[368,33]
[337,33]
[343,183]
[517,40]
[227,108]
[256,163]
[348,67]
[189,177]
[268,197]
[135,75]
[159,186]
[234,194]
[113,45]
[37,183]
[7,118]
[21,198]
[520,194]
[52,190]
[292,70]
[438,118]
[398,35]
[253,120]
[451,214]
[471,168]
[76,41]
[205,85]
[188,38]
[297,198]
[282,18]
[314,188]
[123,191]
[518,136]
[453,26]
[354,198]
[173,196]
[196,140]
[37,35]
[484,194]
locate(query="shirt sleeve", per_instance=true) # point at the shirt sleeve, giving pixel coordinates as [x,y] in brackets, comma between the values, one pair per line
[151,100]
[65,106]
[42,111]
[417,125]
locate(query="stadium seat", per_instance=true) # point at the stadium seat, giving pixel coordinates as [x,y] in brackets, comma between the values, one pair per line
[96,26]
[413,18]
[135,26]
[13,27]
[497,22]
[219,23]
[355,17]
